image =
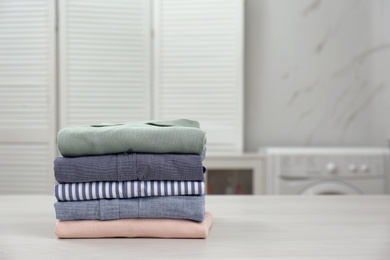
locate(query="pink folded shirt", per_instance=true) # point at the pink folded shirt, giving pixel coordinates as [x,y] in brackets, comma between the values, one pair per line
[160,228]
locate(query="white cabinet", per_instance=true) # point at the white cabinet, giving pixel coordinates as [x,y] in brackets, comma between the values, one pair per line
[235,174]
[117,66]
[113,61]
[104,61]
[198,57]
[27,96]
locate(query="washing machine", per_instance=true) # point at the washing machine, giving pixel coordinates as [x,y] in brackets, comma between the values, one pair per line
[326,171]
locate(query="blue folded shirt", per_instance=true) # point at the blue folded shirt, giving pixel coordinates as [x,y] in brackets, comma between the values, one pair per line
[129,167]
[177,207]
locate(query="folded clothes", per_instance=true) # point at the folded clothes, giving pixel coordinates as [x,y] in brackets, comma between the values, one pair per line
[174,136]
[157,228]
[126,189]
[178,207]
[128,167]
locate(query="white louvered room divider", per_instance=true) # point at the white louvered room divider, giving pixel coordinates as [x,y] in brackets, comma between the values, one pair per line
[198,67]
[27,96]
[104,61]
[113,61]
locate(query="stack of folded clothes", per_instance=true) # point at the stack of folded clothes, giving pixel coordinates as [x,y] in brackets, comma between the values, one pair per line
[132,180]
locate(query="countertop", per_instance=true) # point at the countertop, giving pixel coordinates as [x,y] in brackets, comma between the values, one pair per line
[244,227]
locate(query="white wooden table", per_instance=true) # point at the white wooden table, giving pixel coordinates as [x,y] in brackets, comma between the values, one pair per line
[256,227]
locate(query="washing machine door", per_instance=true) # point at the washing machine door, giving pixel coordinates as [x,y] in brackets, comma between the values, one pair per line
[331,188]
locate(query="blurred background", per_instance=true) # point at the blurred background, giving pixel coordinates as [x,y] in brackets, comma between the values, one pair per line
[294,95]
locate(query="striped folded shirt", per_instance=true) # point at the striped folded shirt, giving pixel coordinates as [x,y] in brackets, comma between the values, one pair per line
[126,189]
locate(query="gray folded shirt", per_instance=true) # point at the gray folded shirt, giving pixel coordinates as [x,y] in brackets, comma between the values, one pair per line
[177,207]
[129,167]
[174,136]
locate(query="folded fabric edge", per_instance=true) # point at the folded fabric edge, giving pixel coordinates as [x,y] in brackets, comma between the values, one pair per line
[127,189]
[141,228]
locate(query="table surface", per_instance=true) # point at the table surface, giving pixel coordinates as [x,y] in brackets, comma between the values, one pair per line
[257,227]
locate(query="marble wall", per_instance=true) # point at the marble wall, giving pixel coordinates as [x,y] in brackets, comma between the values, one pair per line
[317,73]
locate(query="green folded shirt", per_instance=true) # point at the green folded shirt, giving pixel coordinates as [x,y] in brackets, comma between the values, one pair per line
[172,136]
